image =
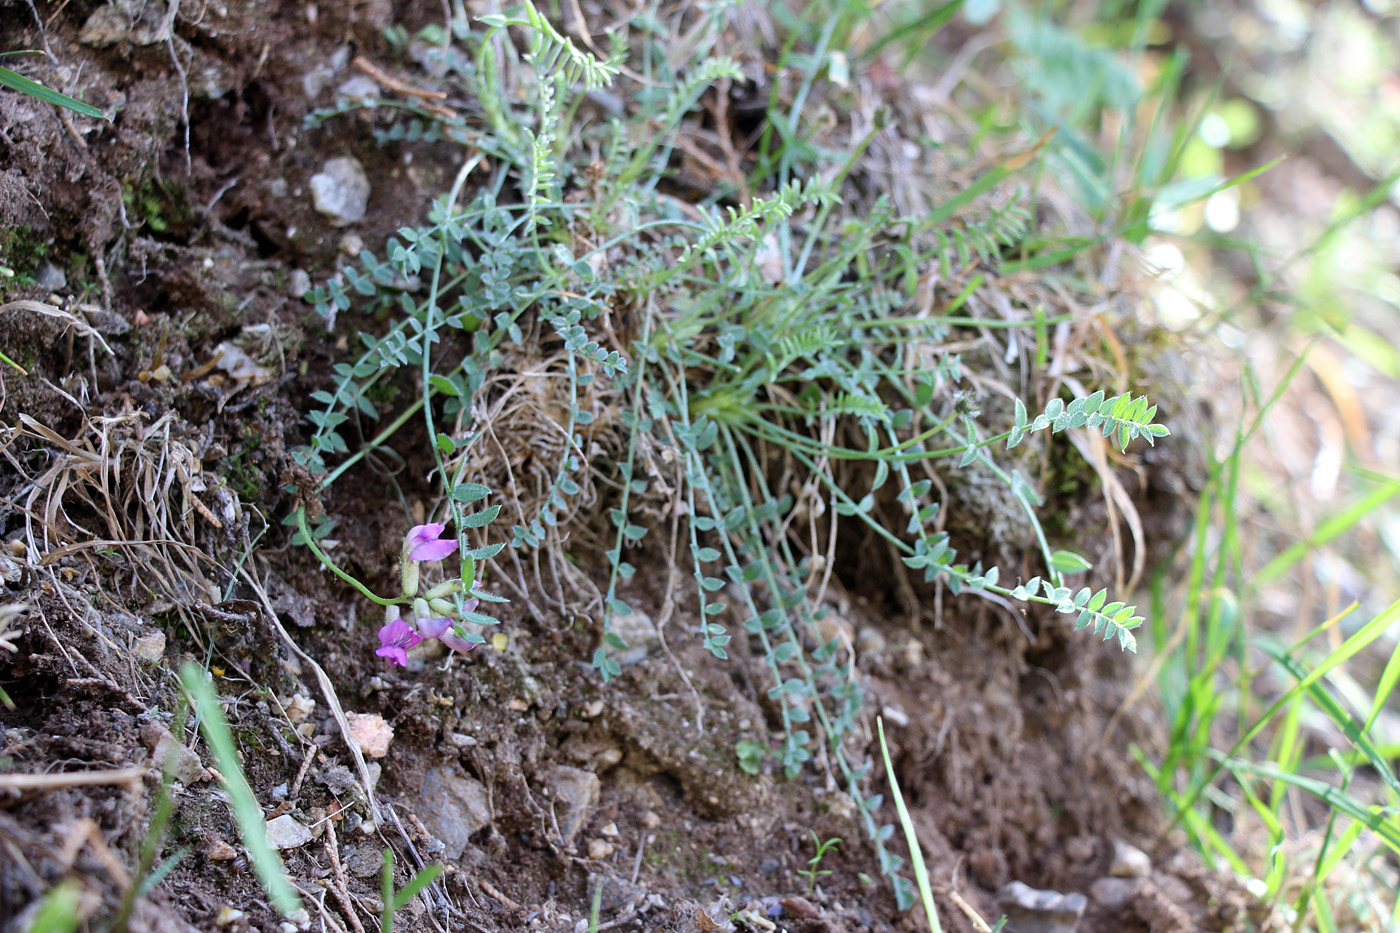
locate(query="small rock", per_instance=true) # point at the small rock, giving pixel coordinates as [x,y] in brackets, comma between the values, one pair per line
[278,188]
[592,709]
[220,851]
[341,191]
[870,641]
[298,284]
[337,778]
[1031,911]
[454,808]
[364,862]
[596,754]
[150,647]
[639,631]
[1112,893]
[51,277]
[599,849]
[315,81]
[650,820]
[351,244]
[371,733]
[461,740]
[800,908]
[610,830]
[895,715]
[1129,861]
[106,26]
[575,793]
[358,89]
[162,744]
[299,708]
[286,833]
[228,915]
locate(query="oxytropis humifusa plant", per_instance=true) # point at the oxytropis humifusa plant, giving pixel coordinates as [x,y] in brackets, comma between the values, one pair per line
[759,364]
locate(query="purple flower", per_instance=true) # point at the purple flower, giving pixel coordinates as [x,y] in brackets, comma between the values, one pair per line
[425,542]
[396,638]
[443,630]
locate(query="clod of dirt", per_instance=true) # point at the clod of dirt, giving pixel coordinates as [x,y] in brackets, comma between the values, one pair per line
[1129,861]
[453,808]
[341,191]
[285,832]
[371,733]
[1030,911]
[575,794]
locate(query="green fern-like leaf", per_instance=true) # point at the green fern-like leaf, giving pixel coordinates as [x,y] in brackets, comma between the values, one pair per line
[1123,415]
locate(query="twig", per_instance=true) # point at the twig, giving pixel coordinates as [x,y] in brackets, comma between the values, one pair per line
[341,889]
[14,783]
[394,84]
[491,891]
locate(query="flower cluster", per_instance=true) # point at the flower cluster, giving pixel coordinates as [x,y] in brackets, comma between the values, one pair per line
[433,611]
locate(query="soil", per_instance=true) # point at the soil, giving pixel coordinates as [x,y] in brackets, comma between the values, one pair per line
[175,244]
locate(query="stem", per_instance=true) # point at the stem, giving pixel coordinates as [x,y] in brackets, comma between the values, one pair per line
[377,441]
[320,555]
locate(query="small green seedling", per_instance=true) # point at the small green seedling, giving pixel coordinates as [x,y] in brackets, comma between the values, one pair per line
[811,873]
[393,903]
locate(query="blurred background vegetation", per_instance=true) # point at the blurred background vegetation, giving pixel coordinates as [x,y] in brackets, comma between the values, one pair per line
[1250,150]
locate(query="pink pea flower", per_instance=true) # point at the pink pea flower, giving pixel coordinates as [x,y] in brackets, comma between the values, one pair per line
[425,542]
[395,639]
[442,629]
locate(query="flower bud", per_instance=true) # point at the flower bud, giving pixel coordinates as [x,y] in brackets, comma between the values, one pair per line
[408,574]
[446,588]
[442,607]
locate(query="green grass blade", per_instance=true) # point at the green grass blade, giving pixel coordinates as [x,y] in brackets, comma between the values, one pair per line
[251,824]
[60,912]
[1326,532]
[1386,827]
[19,82]
[916,855]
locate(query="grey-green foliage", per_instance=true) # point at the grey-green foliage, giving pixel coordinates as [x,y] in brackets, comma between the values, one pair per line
[772,331]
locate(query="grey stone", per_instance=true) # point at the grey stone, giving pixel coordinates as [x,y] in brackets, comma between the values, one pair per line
[298,284]
[341,191]
[286,833]
[358,89]
[337,779]
[315,81]
[1031,911]
[106,26]
[1129,861]
[162,744]
[639,631]
[1112,893]
[574,793]
[51,277]
[151,647]
[454,808]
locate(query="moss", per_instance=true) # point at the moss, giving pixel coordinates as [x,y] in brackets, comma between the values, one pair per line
[22,251]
